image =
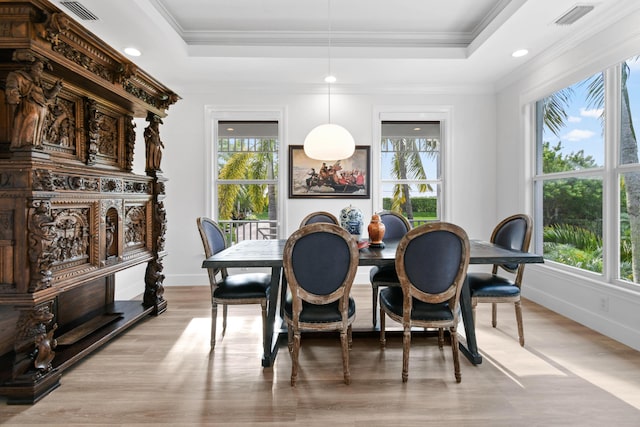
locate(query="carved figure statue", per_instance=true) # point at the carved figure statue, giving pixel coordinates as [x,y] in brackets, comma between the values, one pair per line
[153,143]
[30,100]
[34,342]
[41,237]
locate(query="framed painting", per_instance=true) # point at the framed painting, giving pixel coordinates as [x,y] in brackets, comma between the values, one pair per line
[346,178]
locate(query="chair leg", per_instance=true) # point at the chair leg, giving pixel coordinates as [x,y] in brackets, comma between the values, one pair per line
[519,321]
[406,345]
[290,338]
[294,357]
[350,336]
[344,341]
[214,315]
[224,318]
[494,314]
[383,338]
[374,304]
[456,354]
[441,338]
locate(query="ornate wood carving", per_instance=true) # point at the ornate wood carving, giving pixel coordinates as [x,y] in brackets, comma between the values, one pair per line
[135,226]
[34,343]
[71,241]
[29,99]
[154,289]
[129,142]
[112,233]
[56,24]
[160,226]
[93,130]
[60,125]
[72,212]
[42,234]
[153,143]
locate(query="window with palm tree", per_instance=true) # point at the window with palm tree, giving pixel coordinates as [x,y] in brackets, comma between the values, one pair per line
[573,176]
[411,180]
[247,179]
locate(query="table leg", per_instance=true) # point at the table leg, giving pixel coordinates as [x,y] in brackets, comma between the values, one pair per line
[271,341]
[471,350]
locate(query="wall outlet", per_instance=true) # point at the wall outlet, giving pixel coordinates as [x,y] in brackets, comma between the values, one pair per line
[604,304]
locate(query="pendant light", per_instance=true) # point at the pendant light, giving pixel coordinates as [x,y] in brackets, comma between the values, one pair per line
[329,141]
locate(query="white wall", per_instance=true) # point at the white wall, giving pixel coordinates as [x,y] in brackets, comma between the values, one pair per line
[612,310]
[471,198]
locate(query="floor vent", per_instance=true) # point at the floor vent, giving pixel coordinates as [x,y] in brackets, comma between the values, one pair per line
[574,14]
[79,10]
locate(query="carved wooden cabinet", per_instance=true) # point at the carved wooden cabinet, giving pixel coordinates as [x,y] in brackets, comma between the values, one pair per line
[72,213]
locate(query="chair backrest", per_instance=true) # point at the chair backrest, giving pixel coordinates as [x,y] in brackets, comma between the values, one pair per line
[513,232]
[320,262]
[432,261]
[213,242]
[319,216]
[395,224]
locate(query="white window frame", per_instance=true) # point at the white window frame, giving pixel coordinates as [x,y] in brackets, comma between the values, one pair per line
[609,174]
[215,114]
[426,113]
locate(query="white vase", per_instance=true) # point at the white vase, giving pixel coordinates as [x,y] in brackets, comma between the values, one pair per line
[351,220]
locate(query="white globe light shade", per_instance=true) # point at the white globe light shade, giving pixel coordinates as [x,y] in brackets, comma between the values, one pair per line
[329,142]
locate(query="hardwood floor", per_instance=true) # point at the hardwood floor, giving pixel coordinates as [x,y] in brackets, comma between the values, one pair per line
[162,373]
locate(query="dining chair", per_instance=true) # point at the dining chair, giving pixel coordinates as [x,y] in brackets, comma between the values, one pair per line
[319,216]
[320,262]
[236,289]
[513,232]
[396,226]
[432,262]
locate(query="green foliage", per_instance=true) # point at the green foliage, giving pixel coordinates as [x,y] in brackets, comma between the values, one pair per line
[422,206]
[554,109]
[236,199]
[554,161]
[577,237]
[571,201]
[569,255]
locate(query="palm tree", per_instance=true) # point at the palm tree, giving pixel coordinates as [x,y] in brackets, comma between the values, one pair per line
[249,165]
[407,164]
[629,155]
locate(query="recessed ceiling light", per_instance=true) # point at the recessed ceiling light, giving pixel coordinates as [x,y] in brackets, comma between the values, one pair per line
[230,129]
[520,52]
[132,51]
[417,129]
[330,79]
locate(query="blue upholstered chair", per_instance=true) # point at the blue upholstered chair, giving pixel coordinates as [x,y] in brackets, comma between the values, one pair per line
[513,232]
[245,288]
[395,226]
[320,263]
[319,216]
[431,261]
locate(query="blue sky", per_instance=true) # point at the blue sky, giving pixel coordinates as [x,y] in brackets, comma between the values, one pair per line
[583,129]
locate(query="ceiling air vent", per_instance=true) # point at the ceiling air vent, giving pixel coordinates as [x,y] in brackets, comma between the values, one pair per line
[577,12]
[79,10]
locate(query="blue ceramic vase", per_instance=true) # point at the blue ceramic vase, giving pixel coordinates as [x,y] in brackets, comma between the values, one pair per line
[351,220]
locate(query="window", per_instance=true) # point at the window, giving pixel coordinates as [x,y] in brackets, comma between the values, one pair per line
[587,181]
[246,183]
[410,169]
[628,172]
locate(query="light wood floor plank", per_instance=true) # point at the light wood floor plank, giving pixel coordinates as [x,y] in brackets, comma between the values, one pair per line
[162,373]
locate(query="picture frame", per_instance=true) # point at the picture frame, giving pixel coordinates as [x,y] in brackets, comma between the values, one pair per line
[346,178]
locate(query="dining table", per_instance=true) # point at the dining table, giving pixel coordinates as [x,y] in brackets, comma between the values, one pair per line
[269,253]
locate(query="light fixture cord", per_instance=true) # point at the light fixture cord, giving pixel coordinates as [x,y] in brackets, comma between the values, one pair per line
[329,60]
